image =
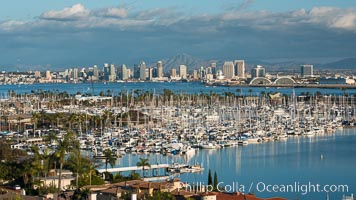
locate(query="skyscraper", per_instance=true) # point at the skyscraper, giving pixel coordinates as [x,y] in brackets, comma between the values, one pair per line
[143,70]
[112,73]
[159,69]
[240,68]
[183,71]
[195,74]
[124,74]
[213,68]
[75,73]
[174,72]
[96,72]
[229,69]
[306,71]
[150,73]
[258,71]
[106,71]
[48,75]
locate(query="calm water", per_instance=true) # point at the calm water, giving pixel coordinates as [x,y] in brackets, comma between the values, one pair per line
[297,159]
[191,87]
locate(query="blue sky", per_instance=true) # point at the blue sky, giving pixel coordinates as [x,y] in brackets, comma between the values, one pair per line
[19,9]
[80,33]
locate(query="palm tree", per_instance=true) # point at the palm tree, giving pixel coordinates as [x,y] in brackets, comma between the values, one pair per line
[142,163]
[34,120]
[109,158]
[64,146]
[78,165]
[85,193]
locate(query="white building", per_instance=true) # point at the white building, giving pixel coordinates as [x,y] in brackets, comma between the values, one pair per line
[183,71]
[229,69]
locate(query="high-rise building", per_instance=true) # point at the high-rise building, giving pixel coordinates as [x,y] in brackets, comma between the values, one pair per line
[195,74]
[106,71]
[258,71]
[96,72]
[136,71]
[229,69]
[150,73]
[75,74]
[37,74]
[159,69]
[124,74]
[306,71]
[213,68]
[112,73]
[240,68]
[174,72]
[143,70]
[183,71]
[48,75]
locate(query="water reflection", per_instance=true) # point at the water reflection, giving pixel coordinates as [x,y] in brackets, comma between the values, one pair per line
[296,159]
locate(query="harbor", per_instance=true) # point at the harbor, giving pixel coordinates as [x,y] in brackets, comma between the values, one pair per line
[182,135]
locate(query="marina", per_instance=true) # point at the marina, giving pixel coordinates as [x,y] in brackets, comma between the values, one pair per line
[186,135]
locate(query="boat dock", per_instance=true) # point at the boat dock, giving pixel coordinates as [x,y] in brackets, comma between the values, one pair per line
[135,168]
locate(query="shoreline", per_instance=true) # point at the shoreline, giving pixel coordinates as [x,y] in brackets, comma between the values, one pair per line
[327,86]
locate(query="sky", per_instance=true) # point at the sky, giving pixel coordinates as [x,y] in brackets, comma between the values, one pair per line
[66,33]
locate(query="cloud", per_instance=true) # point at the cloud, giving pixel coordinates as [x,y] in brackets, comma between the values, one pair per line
[116,12]
[114,33]
[347,21]
[243,5]
[76,12]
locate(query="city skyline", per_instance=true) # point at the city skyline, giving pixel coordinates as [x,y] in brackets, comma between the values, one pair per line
[75,33]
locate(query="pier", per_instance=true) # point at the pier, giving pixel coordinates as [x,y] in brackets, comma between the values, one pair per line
[135,168]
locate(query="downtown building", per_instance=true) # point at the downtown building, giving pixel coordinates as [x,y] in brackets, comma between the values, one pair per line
[306,71]
[229,69]
[183,71]
[239,68]
[258,72]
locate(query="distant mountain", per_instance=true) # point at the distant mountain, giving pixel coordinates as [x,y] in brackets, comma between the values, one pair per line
[184,59]
[347,63]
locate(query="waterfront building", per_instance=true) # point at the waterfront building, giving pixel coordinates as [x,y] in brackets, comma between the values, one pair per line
[89,73]
[208,70]
[150,73]
[143,70]
[229,69]
[183,71]
[338,80]
[95,72]
[37,74]
[174,72]
[159,69]
[195,74]
[124,72]
[240,68]
[48,75]
[213,68]
[75,73]
[136,71]
[106,71]
[112,73]
[258,72]
[306,71]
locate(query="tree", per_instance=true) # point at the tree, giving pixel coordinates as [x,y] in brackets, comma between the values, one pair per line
[78,164]
[215,186]
[143,163]
[109,158]
[34,120]
[64,146]
[158,195]
[210,179]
